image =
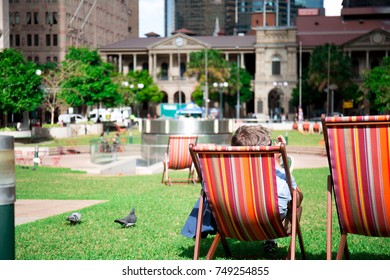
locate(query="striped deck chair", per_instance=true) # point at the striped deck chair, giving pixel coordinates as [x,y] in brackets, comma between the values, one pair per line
[239,184]
[358,150]
[177,157]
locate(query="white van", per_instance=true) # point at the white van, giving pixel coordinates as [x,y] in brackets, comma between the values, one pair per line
[71,118]
[118,115]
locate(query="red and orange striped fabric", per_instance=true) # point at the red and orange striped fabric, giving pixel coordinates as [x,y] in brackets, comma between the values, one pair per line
[178,154]
[359,157]
[240,185]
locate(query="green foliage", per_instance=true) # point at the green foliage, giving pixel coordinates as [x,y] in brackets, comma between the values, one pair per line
[330,57]
[91,81]
[326,58]
[47,125]
[149,92]
[243,84]
[19,84]
[53,78]
[7,128]
[377,83]
[197,96]
[217,66]
[218,70]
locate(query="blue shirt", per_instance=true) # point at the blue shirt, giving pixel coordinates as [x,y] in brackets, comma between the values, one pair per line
[284,195]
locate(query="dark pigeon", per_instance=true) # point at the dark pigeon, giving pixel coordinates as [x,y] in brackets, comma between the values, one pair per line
[129,220]
[74,218]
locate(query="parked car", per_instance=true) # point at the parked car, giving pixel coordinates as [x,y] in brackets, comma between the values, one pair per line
[318,119]
[71,118]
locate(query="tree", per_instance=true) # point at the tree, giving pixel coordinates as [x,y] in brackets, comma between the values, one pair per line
[241,82]
[132,94]
[91,81]
[328,64]
[19,83]
[53,76]
[377,83]
[217,66]
[330,58]
[218,70]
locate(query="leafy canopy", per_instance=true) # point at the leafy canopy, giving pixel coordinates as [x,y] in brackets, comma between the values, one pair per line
[148,93]
[218,70]
[377,82]
[91,80]
[19,84]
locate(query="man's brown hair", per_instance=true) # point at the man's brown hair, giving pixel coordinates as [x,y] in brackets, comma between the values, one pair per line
[251,135]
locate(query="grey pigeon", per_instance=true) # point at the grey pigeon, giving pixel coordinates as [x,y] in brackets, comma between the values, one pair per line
[129,220]
[74,218]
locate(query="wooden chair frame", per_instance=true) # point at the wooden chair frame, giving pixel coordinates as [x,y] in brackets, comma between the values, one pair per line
[223,154]
[177,157]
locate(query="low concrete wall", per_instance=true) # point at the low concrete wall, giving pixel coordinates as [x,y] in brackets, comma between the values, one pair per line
[54,132]
[69,131]
[17,134]
[23,136]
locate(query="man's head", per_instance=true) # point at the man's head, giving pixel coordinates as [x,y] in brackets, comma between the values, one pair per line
[251,135]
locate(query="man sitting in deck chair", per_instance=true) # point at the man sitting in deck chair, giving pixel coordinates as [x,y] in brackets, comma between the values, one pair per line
[251,136]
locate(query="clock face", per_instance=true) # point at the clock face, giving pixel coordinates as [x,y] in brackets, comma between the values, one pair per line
[179,41]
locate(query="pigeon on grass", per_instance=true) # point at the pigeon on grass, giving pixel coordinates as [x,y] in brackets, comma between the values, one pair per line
[129,220]
[74,218]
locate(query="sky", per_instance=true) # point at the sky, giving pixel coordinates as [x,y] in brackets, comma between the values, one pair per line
[151,14]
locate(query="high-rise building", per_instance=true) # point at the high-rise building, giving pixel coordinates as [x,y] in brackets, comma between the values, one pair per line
[44,29]
[231,17]
[365,3]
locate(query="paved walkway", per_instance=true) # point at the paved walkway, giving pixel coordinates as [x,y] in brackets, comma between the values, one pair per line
[31,210]
[28,210]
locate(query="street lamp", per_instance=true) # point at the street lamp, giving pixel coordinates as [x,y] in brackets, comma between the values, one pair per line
[220,86]
[137,87]
[238,87]
[280,84]
[330,89]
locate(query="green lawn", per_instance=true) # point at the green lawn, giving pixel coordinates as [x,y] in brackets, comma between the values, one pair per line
[161,212]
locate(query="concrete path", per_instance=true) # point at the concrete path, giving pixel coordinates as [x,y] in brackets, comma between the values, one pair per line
[28,210]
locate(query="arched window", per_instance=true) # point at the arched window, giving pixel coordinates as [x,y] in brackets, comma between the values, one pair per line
[276,65]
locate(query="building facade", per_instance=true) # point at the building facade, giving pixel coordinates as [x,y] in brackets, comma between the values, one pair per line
[231,17]
[44,29]
[272,56]
[265,56]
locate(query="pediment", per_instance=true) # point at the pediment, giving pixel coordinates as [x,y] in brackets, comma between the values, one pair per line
[377,37]
[178,41]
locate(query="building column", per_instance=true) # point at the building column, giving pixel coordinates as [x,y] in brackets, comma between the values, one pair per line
[120,63]
[135,62]
[151,66]
[170,68]
[155,68]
